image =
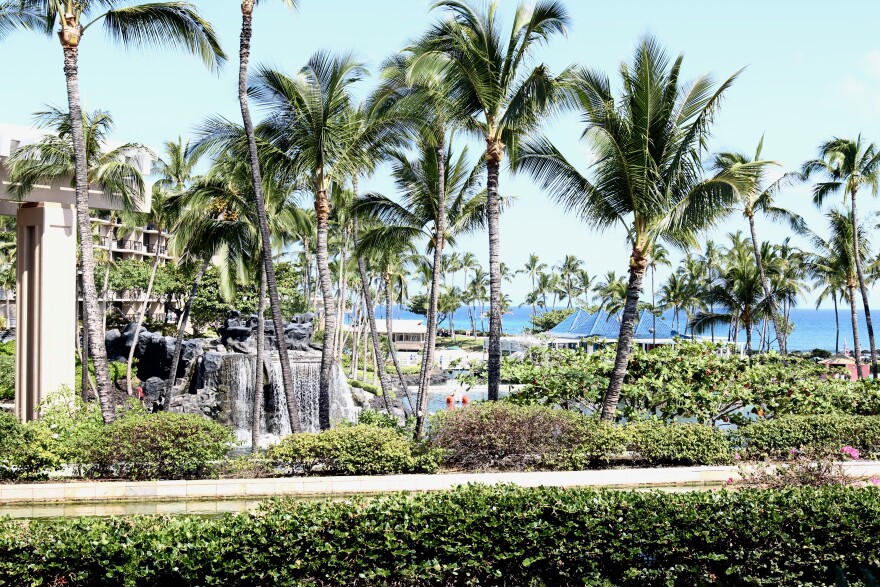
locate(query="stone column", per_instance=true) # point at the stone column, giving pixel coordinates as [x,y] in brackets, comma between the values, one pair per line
[46,321]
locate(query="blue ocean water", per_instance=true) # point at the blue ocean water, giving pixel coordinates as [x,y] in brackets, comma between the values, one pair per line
[812,328]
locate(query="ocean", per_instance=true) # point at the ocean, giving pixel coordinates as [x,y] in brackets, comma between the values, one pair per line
[812,328]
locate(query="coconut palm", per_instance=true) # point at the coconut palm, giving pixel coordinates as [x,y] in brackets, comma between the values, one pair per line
[54,158]
[674,294]
[420,213]
[155,24]
[711,259]
[532,268]
[504,97]
[848,165]
[834,264]
[219,221]
[585,286]
[247,10]
[568,270]
[546,285]
[756,196]
[611,293]
[647,174]
[658,257]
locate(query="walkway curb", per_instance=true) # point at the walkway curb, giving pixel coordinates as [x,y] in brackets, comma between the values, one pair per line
[101,491]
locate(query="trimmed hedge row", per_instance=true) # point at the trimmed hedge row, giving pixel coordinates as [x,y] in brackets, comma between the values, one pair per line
[502,436]
[473,535]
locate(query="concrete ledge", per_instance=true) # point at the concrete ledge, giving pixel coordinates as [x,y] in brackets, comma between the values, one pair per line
[149,491]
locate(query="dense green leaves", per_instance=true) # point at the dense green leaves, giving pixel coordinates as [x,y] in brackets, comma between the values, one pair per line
[473,535]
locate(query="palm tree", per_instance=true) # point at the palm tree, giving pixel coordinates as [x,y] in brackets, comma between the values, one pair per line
[739,291]
[419,215]
[169,24]
[585,286]
[54,158]
[658,257]
[611,293]
[247,10]
[219,221]
[835,265]
[532,268]
[756,196]
[546,284]
[503,99]
[568,271]
[647,173]
[673,294]
[711,260]
[849,164]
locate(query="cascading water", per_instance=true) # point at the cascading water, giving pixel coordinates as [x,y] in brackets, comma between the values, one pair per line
[238,376]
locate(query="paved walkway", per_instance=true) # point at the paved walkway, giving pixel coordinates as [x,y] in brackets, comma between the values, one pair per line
[99,491]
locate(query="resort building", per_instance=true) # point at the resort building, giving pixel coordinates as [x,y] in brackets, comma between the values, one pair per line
[591,330]
[408,335]
[113,240]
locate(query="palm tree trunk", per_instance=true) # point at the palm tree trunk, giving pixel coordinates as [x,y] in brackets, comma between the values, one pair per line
[83,341]
[258,383]
[140,322]
[748,326]
[854,316]
[184,320]
[328,358]
[247,7]
[836,325]
[389,323]
[493,164]
[653,309]
[374,335]
[780,333]
[355,337]
[433,295]
[857,257]
[624,339]
[87,253]
[105,294]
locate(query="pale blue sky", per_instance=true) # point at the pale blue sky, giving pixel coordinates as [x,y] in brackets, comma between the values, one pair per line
[813,71]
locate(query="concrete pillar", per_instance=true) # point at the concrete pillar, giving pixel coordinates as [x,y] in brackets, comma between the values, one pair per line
[46,321]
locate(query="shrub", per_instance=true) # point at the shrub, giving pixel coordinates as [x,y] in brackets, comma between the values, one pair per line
[24,450]
[351,450]
[502,435]
[157,446]
[777,437]
[473,535]
[73,425]
[7,377]
[365,386]
[678,444]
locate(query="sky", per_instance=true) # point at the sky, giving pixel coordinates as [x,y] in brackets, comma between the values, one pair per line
[812,71]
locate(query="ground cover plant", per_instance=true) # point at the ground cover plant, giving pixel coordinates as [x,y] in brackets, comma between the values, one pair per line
[473,535]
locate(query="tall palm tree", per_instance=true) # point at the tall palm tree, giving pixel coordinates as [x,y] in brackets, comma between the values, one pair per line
[247,10]
[611,293]
[568,270]
[174,24]
[419,215]
[585,286]
[532,268]
[757,197]
[674,294]
[54,158]
[647,173]
[835,264]
[14,15]
[219,221]
[711,260]
[849,164]
[658,257]
[504,98]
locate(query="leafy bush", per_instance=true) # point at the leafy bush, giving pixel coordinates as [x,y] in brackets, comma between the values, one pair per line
[24,450]
[351,450]
[72,424]
[548,320]
[157,446]
[678,444]
[775,438]
[7,377]
[375,390]
[475,535]
[501,435]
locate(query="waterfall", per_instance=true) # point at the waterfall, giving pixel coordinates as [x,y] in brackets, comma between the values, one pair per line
[238,376]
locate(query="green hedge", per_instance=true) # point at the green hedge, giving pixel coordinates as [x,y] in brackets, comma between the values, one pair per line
[352,450]
[660,444]
[156,446]
[469,536]
[25,451]
[502,435]
[775,438]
